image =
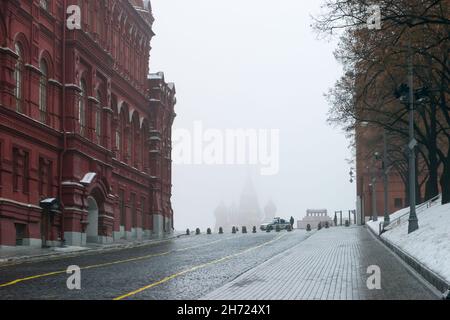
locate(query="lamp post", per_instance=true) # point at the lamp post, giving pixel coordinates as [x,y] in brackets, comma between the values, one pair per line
[413,221]
[387,218]
[374,199]
[406,95]
[374,190]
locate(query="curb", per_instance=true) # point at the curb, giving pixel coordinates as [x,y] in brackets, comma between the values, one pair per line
[433,278]
[112,247]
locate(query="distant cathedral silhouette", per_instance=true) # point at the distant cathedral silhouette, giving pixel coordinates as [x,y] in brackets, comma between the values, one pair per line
[248,213]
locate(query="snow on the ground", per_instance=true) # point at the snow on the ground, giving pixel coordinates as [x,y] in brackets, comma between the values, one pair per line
[374,225]
[69,249]
[430,244]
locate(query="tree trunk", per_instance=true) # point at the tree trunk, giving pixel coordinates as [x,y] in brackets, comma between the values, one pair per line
[417,183]
[445,182]
[406,183]
[431,187]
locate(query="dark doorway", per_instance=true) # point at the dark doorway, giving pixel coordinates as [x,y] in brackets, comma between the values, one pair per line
[20,233]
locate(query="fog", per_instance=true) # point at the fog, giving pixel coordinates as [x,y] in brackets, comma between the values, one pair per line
[253,64]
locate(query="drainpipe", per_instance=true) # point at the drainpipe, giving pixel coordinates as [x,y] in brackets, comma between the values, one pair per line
[63,122]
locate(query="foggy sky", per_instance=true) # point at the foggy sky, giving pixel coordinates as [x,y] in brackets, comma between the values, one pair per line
[253,64]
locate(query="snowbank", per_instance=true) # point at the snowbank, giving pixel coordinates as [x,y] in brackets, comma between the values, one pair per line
[430,244]
[374,225]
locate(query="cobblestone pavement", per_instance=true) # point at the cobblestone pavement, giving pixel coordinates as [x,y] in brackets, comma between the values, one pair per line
[14,255]
[330,265]
[185,268]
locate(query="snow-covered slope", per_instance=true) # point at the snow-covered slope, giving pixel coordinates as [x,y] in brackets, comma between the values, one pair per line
[430,244]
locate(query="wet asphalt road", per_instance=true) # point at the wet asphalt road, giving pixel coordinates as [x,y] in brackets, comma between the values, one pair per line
[185,268]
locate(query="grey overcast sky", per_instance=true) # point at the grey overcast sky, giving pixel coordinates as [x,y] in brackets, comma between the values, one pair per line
[253,64]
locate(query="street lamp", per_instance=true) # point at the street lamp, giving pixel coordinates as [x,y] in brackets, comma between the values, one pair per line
[372,190]
[406,95]
[374,194]
[352,175]
[413,221]
[385,168]
[374,199]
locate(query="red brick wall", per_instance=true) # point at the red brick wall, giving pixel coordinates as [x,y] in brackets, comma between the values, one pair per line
[367,168]
[116,87]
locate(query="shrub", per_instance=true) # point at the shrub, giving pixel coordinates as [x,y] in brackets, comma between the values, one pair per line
[197,231]
[208,231]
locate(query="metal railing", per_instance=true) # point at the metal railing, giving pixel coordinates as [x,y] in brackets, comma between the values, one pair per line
[404,217]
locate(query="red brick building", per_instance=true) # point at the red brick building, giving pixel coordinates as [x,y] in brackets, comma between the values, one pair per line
[82,122]
[370,175]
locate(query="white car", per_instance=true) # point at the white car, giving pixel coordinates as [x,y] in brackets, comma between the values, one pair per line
[284,224]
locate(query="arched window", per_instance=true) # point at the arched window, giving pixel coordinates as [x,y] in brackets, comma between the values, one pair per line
[98,119]
[118,139]
[118,134]
[138,157]
[144,150]
[18,76]
[121,135]
[43,91]
[82,108]
[135,143]
[130,144]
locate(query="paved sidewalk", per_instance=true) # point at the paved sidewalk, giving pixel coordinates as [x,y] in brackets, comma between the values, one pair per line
[12,255]
[330,265]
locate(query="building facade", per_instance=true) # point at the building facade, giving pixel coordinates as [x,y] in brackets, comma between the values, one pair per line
[247,213]
[83,126]
[370,177]
[313,218]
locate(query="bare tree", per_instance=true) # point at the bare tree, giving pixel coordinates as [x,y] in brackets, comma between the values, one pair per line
[375,64]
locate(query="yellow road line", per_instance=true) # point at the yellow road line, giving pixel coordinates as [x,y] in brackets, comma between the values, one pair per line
[112,263]
[195,268]
[87,253]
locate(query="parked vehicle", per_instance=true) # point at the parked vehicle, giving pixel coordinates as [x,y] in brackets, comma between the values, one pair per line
[283,224]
